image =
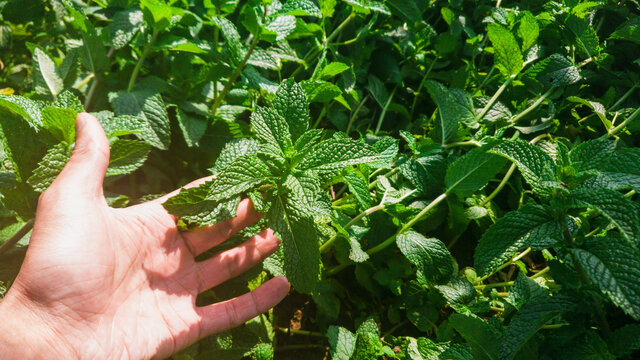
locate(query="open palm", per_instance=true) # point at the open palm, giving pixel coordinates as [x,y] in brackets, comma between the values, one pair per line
[122,283]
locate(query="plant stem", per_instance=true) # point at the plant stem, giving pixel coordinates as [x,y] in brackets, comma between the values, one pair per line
[234,75]
[16,237]
[516,258]
[396,327]
[502,184]
[143,56]
[554,326]
[533,106]
[489,286]
[463,143]
[299,332]
[299,347]
[392,238]
[484,81]
[353,221]
[495,97]
[621,127]
[541,272]
[624,97]
[355,113]
[424,78]
[384,110]
[85,81]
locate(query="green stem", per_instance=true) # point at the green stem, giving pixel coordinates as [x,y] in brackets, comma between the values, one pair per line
[516,258]
[234,75]
[143,56]
[85,81]
[533,106]
[490,286]
[554,326]
[355,113]
[299,332]
[424,78]
[392,238]
[484,81]
[353,221]
[16,237]
[463,143]
[501,186]
[372,186]
[384,110]
[621,127]
[541,272]
[495,97]
[624,97]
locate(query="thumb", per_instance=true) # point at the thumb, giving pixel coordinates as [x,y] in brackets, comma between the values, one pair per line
[90,158]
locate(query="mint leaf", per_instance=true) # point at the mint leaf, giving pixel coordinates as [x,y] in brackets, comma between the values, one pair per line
[429,255]
[158,14]
[613,265]
[45,75]
[126,156]
[406,9]
[122,125]
[301,8]
[524,289]
[484,340]
[342,343]
[60,123]
[365,6]
[419,175]
[453,107]
[624,340]
[585,37]
[472,171]
[48,169]
[92,51]
[291,103]
[536,167]
[292,221]
[329,157]
[320,91]
[592,154]
[20,139]
[458,292]
[193,128]
[530,226]
[233,150]
[359,187]
[528,30]
[621,211]
[331,70]
[555,70]
[622,169]
[271,128]
[508,58]
[244,173]
[529,319]
[148,105]
[282,26]
[232,39]
[124,25]
[629,31]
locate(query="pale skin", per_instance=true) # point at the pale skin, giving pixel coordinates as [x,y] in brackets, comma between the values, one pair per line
[104,283]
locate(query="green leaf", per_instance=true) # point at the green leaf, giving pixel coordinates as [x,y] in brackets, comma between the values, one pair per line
[232,39]
[67,100]
[453,106]
[508,58]
[529,319]
[342,343]
[124,25]
[122,125]
[193,128]
[60,123]
[244,173]
[592,154]
[429,255]
[282,26]
[233,150]
[613,265]
[331,70]
[365,6]
[148,105]
[419,175]
[359,187]
[555,70]
[530,226]
[126,156]
[622,169]
[291,219]
[629,31]
[472,171]
[48,169]
[329,157]
[406,9]
[585,37]
[291,103]
[192,205]
[528,30]
[484,340]
[20,140]
[524,289]
[458,292]
[93,52]
[536,167]
[45,75]
[300,8]
[368,344]
[320,91]
[624,340]
[271,128]
[621,211]
[158,14]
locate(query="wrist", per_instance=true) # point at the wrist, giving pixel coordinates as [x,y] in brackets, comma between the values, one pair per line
[25,333]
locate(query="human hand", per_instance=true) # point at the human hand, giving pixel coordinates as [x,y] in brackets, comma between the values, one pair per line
[100,283]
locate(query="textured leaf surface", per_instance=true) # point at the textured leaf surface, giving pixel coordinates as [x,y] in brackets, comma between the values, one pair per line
[472,171]
[429,255]
[48,169]
[537,168]
[530,226]
[508,58]
[46,77]
[126,156]
[60,123]
[330,156]
[556,70]
[628,31]
[301,8]
[342,343]
[122,125]
[193,128]
[272,128]
[613,265]
[148,105]
[244,173]
[585,37]
[451,110]
[291,219]
[458,292]
[124,26]
[93,52]
[623,169]
[528,30]
[483,339]
[614,206]
[593,154]
[529,319]
[233,150]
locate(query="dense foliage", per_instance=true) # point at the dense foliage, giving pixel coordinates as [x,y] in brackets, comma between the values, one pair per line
[449,179]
